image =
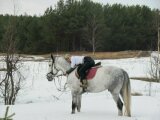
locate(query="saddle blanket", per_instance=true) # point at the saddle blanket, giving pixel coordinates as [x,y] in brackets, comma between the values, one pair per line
[91,73]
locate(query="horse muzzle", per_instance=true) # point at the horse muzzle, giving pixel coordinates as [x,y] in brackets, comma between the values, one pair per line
[49,76]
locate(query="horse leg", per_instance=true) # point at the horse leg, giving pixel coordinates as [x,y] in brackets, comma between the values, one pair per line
[79,97]
[74,102]
[118,102]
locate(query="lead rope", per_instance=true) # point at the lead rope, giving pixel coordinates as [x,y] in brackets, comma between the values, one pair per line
[59,77]
[60,89]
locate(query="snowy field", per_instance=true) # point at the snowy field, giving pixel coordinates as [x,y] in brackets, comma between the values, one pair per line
[40,100]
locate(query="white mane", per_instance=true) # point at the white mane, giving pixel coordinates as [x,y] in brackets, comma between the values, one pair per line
[62,64]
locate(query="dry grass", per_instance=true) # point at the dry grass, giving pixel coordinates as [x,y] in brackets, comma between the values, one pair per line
[136,94]
[145,79]
[107,55]
[99,55]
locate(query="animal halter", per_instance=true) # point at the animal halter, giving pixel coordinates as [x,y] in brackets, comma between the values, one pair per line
[54,65]
[58,77]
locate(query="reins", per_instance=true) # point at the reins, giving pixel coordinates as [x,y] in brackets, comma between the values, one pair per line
[60,88]
[58,85]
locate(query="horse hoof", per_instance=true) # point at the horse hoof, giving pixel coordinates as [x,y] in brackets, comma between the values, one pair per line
[72,112]
[78,110]
[120,113]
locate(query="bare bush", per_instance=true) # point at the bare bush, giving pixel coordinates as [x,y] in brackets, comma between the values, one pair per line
[155,67]
[11,83]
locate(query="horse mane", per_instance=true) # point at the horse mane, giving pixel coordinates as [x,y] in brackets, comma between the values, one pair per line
[62,62]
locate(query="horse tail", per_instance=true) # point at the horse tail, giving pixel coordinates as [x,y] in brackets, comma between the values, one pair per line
[126,94]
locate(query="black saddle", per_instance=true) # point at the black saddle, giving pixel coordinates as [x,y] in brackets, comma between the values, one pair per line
[97,64]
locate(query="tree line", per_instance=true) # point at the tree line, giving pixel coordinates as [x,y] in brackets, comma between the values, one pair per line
[84,26]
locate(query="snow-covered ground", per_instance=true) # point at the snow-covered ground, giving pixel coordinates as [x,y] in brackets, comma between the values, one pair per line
[40,100]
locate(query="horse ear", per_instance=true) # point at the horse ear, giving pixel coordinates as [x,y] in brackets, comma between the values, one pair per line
[52,57]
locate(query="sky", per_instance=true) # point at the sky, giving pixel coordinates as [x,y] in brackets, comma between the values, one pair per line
[37,7]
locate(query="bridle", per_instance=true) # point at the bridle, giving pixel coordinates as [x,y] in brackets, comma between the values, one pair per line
[54,65]
[54,76]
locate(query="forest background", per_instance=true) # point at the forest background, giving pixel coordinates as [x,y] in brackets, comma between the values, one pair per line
[84,26]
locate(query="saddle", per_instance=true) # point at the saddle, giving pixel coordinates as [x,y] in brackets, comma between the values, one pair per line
[91,72]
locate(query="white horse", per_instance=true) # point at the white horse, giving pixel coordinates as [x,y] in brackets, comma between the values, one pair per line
[114,79]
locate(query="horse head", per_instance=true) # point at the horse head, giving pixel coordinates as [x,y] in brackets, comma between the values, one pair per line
[56,64]
[52,71]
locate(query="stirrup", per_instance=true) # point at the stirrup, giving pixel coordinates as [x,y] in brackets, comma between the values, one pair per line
[84,84]
[84,88]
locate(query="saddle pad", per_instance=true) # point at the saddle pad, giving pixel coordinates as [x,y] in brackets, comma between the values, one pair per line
[91,73]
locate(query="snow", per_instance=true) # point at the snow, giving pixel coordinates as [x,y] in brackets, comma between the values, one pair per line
[40,100]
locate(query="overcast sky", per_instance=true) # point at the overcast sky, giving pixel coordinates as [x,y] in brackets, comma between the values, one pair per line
[37,7]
